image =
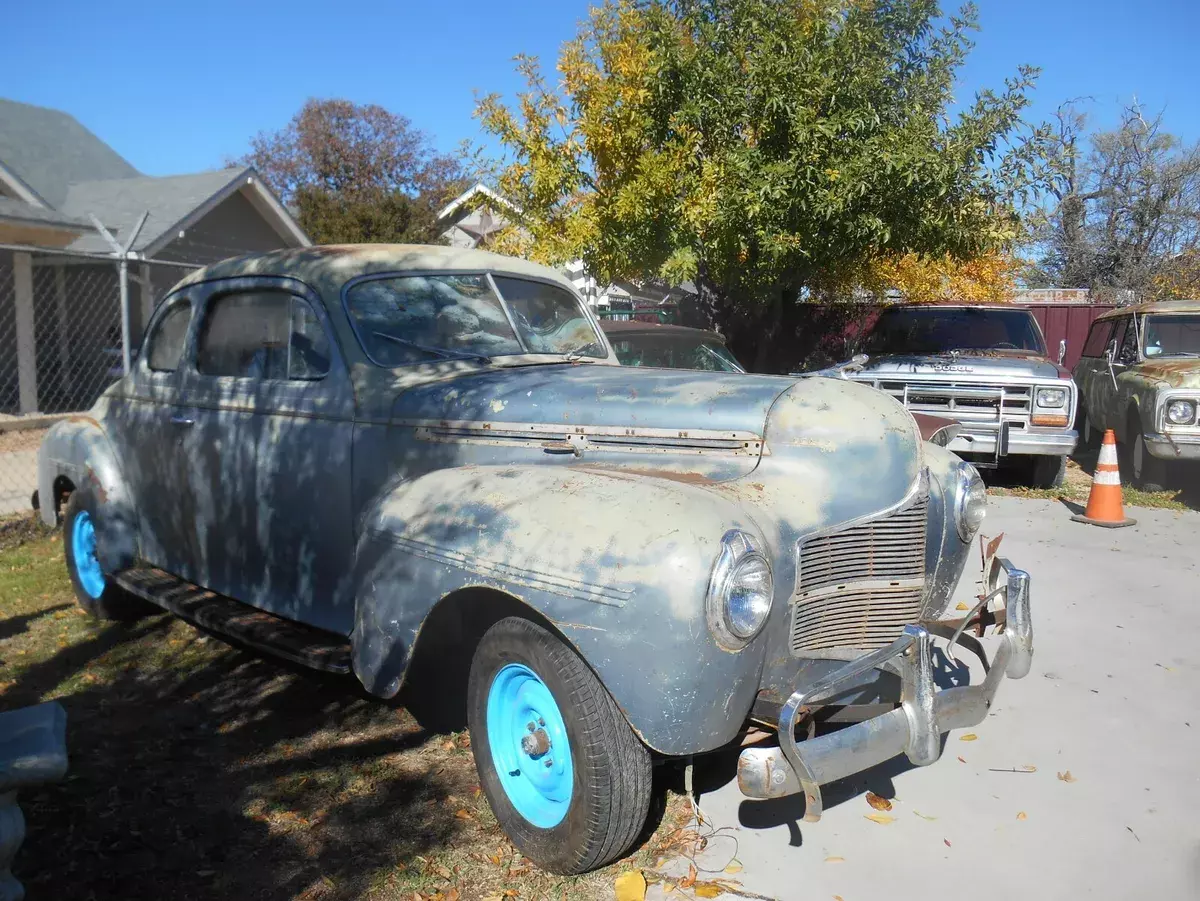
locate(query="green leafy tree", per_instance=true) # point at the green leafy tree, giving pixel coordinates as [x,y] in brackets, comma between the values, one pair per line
[768,150]
[357,173]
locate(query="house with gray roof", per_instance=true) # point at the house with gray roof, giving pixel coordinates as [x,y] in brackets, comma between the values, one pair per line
[59,303]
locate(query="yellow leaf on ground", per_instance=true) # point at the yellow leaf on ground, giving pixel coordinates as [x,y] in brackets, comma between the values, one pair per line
[881,818]
[734,866]
[708,890]
[1021,816]
[1066,777]
[463,814]
[630,886]
[922,816]
[835,860]
[878,802]
[970,736]
[962,606]
[668,887]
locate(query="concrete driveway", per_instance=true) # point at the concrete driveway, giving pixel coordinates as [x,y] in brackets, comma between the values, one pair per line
[1113,698]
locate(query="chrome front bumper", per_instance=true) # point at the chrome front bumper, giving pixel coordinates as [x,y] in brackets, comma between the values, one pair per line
[1173,447]
[914,728]
[1013,442]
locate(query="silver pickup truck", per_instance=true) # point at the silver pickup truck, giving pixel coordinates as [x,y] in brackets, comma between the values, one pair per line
[984,366]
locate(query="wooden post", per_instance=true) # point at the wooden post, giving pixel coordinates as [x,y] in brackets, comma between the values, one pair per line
[26,335]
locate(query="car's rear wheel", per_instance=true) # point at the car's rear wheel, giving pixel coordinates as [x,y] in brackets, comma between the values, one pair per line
[95,590]
[567,778]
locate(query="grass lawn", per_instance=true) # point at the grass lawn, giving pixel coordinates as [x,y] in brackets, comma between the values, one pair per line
[201,770]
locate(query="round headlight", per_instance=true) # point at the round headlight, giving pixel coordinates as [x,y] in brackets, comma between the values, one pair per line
[739,591]
[1181,412]
[1051,397]
[971,503]
[748,600]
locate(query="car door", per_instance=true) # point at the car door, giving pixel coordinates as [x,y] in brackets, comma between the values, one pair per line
[147,428]
[270,452]
[1092,366]
[1104,390]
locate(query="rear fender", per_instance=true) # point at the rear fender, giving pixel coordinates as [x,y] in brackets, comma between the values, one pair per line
[619,563]
[78,451]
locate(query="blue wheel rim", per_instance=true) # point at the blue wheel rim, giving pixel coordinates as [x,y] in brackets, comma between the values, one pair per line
[534,766]
[83,549]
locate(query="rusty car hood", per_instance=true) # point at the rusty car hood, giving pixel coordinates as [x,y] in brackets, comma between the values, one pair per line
[1001,364]
[1180,372]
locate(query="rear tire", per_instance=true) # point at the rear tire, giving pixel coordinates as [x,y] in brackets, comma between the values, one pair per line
[1047,472]
[1089,435]
[577,797]
[95,590]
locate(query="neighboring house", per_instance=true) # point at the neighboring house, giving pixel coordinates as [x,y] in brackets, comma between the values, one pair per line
[58,307]
[474,218]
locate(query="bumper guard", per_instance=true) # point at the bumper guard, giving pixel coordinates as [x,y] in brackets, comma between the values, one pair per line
[915,727]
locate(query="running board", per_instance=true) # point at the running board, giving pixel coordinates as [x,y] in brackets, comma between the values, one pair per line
[284,638]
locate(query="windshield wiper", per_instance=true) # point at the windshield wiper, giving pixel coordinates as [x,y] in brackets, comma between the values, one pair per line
[435,351]
[574,356]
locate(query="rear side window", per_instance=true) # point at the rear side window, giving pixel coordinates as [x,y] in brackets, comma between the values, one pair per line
[1098,338]
[263,335]
[166,344]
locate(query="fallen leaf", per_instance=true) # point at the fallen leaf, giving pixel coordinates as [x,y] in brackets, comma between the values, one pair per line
[511,893]
[922,816]
[881,818]
[960,760]
[734,866]
[448,745]
[668,887]
[630,886]
[838,898]
[1021,816]
[946,842]
[708,890]
[970,736]
[689,880]
[878,802]
[962,606]
[1066,777]
[463,814]
[835,860]
[452,895]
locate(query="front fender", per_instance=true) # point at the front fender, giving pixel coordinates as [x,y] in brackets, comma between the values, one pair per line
[78,450]
[618,562]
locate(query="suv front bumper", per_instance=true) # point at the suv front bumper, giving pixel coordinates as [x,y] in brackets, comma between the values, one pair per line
[1173,447]
[914,728]
[1019,442]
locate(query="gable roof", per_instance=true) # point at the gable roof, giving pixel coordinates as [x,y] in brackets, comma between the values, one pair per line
[27,212]
[46,150]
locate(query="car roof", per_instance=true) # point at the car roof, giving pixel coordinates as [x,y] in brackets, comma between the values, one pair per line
[634,327]
[1157,306]
[329,266]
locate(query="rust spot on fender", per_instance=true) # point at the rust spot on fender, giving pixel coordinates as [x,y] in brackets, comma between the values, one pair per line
[101,494]
[687,478]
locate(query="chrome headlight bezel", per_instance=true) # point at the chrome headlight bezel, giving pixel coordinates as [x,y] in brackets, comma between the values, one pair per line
[970,501]
[739,556]
[1052,398]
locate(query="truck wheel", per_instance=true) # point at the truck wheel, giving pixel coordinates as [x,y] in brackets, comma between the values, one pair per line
[1089,435]
[94,590]
[1146,471]
[1048,472]
[568,780]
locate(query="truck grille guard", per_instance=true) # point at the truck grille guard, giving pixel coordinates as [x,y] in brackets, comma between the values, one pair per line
[914,727]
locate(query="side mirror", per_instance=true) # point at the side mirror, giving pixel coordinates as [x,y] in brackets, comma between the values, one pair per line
[1108,358]
[1062,351]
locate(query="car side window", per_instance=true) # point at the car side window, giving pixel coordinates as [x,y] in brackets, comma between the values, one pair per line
[1128,352]
[1098,338]
[170,332]
[263,335]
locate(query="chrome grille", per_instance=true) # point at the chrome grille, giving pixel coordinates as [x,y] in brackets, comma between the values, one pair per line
[859,587]
[966,402]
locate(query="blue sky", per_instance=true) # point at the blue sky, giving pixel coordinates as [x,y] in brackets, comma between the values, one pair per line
[180,87]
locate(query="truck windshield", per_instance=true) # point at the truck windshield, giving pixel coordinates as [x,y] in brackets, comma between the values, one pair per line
[418,318]
[937,330]
[1172,336]
[674,352]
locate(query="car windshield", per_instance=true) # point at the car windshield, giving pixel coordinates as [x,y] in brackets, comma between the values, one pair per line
[1172,336]
[936,330]
[417,318]
[674,352]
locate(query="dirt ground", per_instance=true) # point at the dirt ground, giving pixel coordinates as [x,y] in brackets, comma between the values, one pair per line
[200,770]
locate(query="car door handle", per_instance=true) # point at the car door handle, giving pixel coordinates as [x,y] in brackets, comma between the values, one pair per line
[182,420]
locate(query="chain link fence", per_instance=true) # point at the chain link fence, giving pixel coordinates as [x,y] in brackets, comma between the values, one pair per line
[61,346]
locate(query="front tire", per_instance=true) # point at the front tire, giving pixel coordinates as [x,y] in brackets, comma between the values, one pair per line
[1047,472]
[572,793]
[1146,472]
[95,591]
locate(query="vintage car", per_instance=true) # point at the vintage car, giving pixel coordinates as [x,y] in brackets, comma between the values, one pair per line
[424,466]
[668,346]
[1139,375]
[986,366]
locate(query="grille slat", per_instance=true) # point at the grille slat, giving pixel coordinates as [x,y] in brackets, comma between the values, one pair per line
[973,401]
[844,593]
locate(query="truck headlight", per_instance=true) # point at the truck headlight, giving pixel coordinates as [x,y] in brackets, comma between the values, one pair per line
[1181,412]
[739,591]
[970,501]
[1052,397]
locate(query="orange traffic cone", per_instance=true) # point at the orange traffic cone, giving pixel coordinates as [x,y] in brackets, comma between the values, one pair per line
[1104,507]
